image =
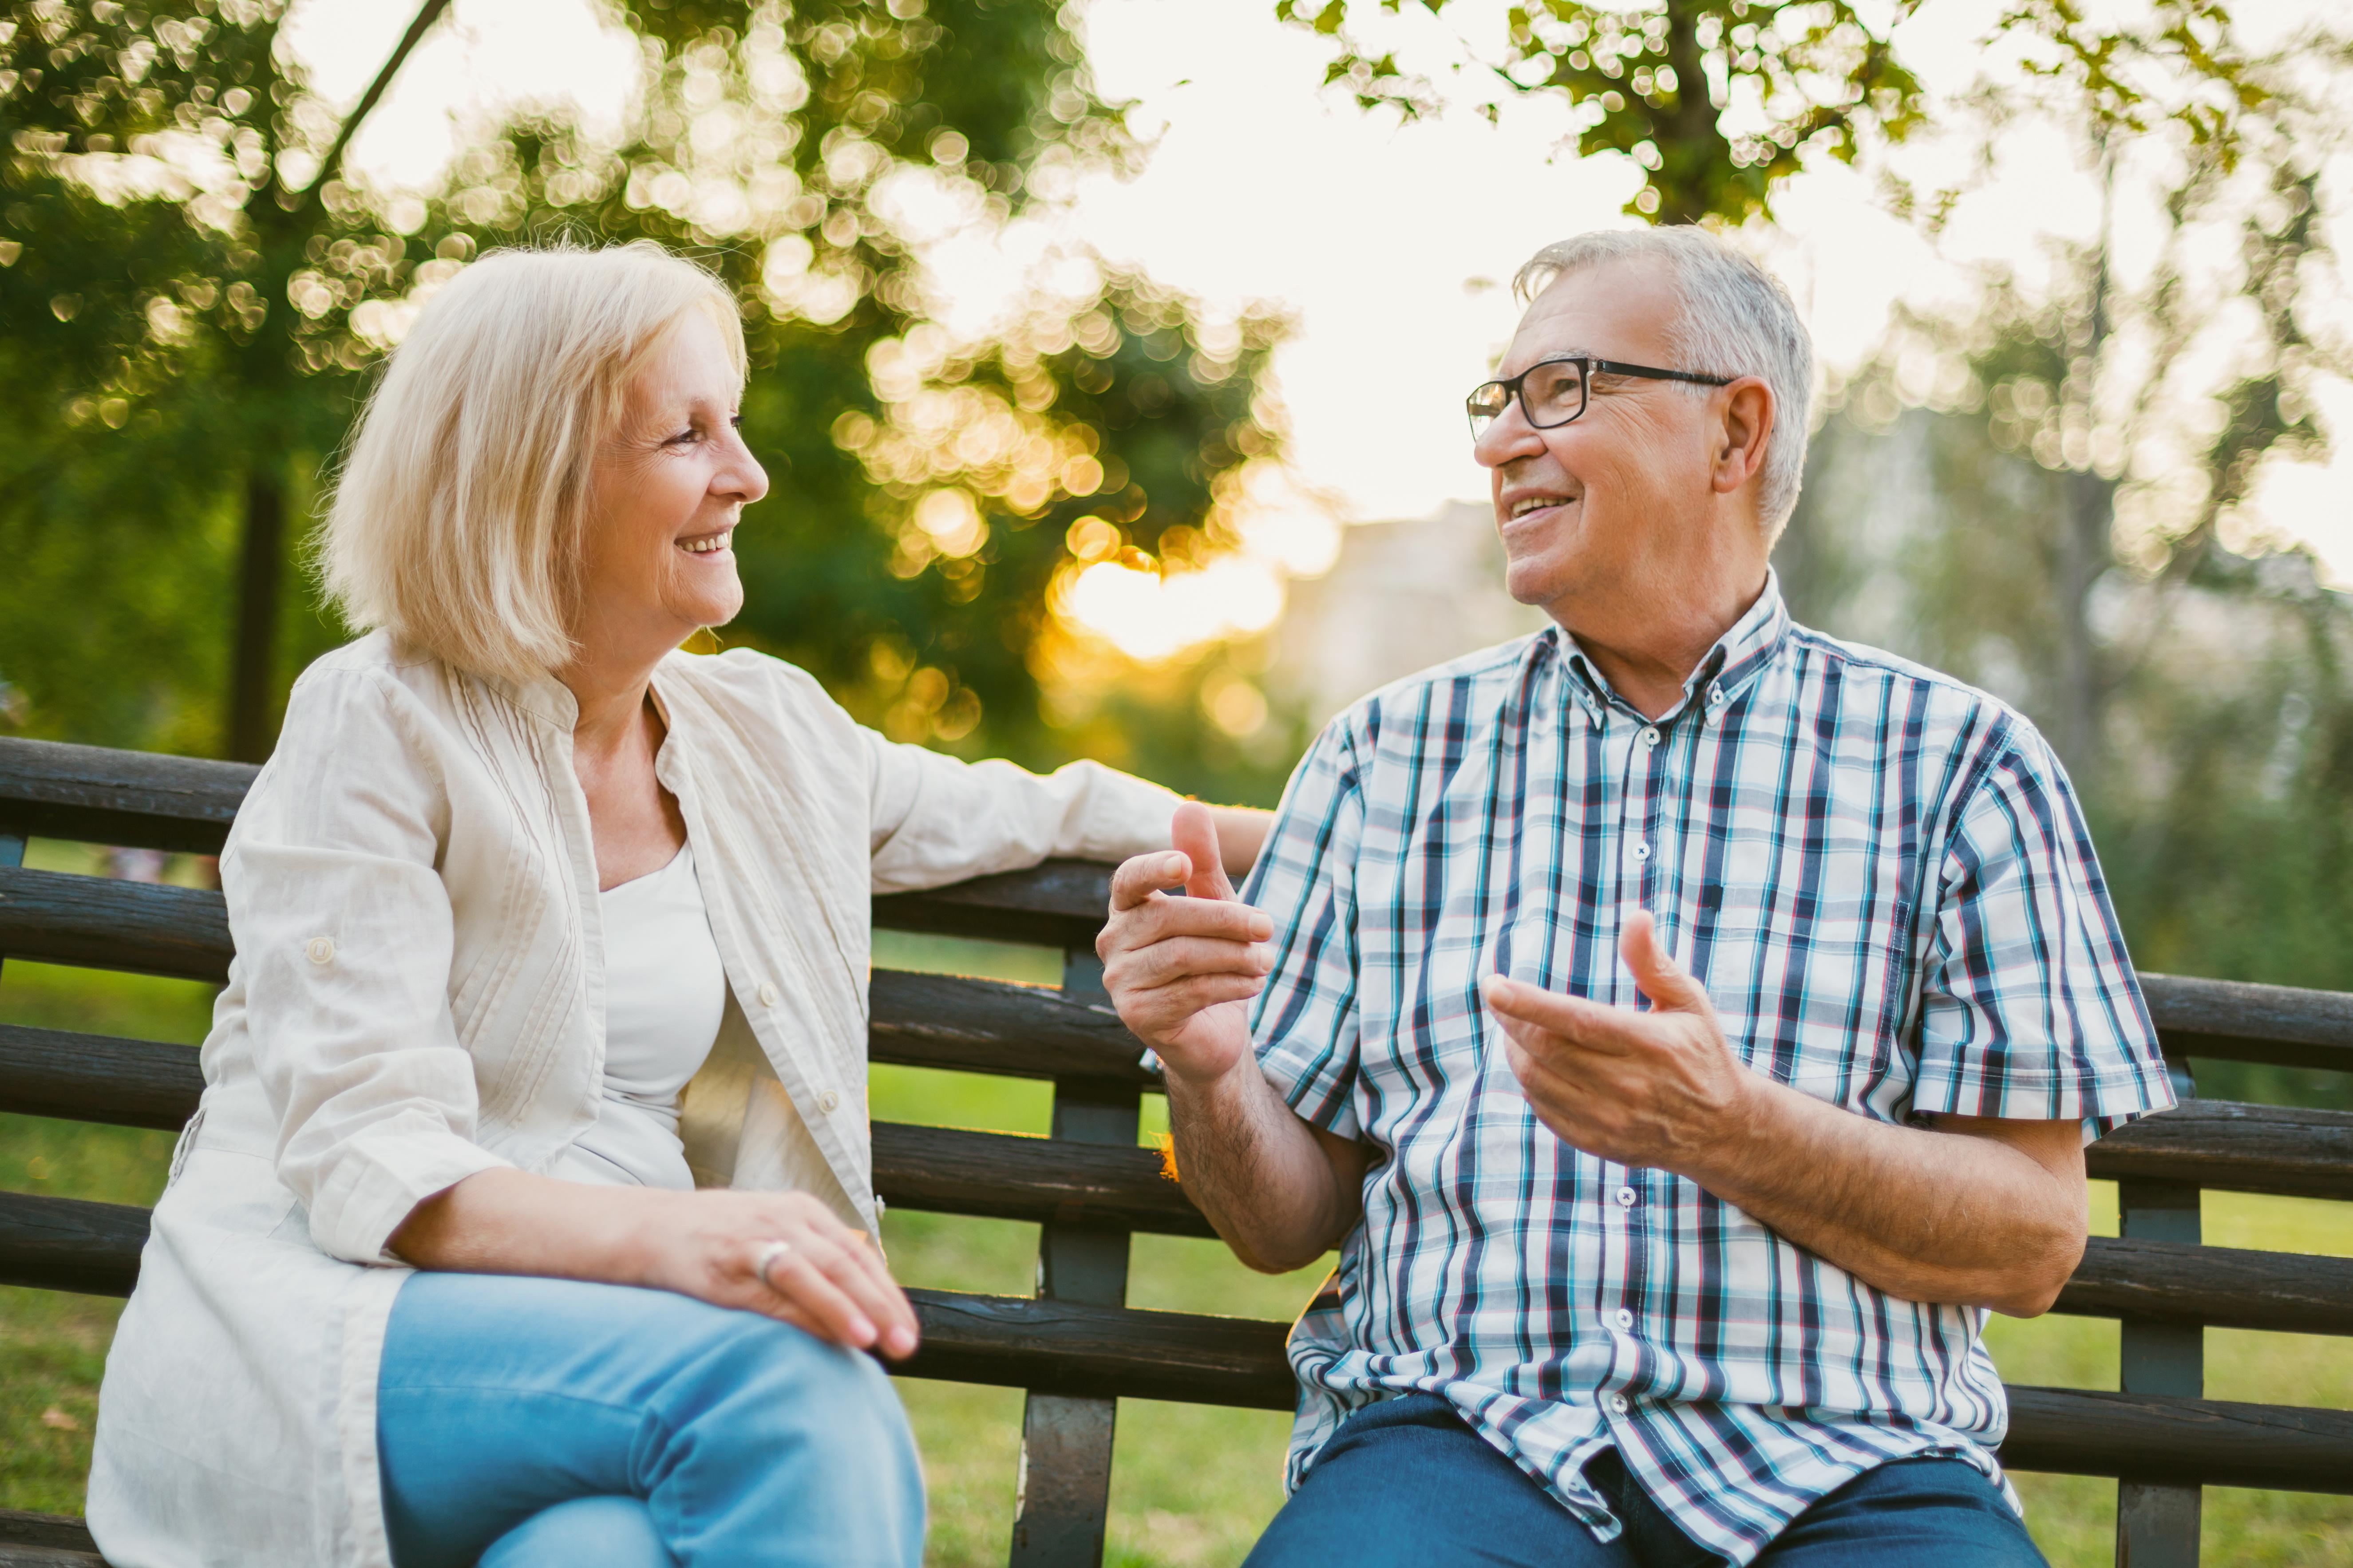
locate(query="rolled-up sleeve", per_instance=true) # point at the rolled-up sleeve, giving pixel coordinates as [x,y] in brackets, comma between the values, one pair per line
[936,820]
[1304,1022]
[2030,1008]
[343,942]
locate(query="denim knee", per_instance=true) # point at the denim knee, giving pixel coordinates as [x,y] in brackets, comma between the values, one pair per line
[833,1410]
[586,1532]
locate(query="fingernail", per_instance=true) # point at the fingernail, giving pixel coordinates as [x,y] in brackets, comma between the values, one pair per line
[902,1343]
[1261,927]
[862,1332]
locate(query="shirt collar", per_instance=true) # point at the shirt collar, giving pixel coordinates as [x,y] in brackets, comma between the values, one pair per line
[1730,668]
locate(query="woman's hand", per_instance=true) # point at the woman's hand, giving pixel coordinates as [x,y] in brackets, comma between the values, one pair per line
[782,1255]
[818,1274]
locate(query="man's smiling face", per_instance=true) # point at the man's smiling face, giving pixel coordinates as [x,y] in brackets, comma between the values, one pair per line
[1614,502]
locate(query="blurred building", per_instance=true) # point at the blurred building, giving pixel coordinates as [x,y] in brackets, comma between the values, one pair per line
[1402,596]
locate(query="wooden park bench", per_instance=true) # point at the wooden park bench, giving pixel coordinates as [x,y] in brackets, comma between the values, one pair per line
[1075,1346]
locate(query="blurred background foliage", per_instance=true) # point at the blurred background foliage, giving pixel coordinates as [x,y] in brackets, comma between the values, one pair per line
[2047,492]
[195,299]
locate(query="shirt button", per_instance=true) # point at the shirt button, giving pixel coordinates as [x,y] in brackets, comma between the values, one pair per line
[1622,1318]
[767,994]
[1650,736]
[1641,850]
[1618,1403]
[1625,1197]
[828,1100]
[320,949]
[1715,694]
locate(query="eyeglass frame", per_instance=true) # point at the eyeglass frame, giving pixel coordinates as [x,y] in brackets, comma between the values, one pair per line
[1588,367]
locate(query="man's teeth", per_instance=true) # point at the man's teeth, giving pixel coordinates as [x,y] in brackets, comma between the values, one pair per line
[703,546]
[1536,503]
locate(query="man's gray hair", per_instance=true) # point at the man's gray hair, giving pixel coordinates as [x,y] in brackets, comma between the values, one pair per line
[1737,319]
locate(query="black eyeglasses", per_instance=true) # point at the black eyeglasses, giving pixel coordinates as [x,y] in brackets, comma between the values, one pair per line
[1553,392]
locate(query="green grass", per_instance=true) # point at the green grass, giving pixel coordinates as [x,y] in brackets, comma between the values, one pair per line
[1191,1485]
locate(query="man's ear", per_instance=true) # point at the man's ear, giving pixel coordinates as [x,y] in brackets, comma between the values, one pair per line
[1749,412]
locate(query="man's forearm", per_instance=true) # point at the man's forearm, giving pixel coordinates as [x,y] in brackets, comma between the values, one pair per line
[1263,1177]
[1925,1214]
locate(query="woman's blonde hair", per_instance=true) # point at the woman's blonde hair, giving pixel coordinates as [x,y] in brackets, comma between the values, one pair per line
[456,521]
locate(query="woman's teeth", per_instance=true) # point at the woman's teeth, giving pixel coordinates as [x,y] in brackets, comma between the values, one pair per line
[703,546]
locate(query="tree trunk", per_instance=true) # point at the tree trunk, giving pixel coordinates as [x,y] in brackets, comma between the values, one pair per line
[1692,147]
[253,665]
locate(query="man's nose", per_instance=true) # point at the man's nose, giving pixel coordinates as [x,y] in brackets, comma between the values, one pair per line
[1508,436]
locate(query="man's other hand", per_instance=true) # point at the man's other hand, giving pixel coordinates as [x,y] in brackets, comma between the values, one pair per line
[1181,970]
[1652,1088]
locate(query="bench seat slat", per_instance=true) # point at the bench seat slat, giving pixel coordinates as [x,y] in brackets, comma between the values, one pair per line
[46,1541]
[1120,1351]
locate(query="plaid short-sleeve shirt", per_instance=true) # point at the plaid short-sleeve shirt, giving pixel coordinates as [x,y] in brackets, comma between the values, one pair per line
[1881,877]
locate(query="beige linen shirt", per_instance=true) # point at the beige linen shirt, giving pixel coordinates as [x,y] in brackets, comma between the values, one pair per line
[417,995]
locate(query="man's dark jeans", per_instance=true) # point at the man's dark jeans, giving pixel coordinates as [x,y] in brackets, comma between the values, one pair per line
[1404,1482]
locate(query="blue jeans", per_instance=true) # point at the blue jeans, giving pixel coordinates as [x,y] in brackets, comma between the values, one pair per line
[523,1421]
[1405,1484]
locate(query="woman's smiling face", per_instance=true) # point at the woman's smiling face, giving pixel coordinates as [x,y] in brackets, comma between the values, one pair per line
[658,560]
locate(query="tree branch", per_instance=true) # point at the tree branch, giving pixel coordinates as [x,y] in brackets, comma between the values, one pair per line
[305,200]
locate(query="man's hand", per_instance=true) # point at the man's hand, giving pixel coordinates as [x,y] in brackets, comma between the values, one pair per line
[1182,971]
[1974,1210]
[1652,1088]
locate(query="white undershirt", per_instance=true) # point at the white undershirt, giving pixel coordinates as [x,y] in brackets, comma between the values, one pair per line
[665,991]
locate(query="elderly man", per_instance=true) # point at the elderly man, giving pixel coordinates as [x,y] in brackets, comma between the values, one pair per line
[1686,1024]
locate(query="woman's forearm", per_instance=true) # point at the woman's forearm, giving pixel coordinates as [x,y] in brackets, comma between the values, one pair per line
[782,1254]
[511,1222]
[1241,834]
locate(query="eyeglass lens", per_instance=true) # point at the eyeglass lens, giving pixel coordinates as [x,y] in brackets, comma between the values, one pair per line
[1550,393]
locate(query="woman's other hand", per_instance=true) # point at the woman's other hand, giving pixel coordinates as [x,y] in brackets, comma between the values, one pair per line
[827,1278]
[784,1255]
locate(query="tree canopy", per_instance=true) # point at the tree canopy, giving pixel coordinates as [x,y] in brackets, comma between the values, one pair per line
[196,291]
[1720,101]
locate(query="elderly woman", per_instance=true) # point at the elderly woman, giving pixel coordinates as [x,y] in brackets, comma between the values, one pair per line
[527,1217]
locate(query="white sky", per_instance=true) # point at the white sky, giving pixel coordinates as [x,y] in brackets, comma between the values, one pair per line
[1259,186]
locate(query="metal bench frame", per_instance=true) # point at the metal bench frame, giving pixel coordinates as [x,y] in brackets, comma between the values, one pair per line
[1076,1347]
